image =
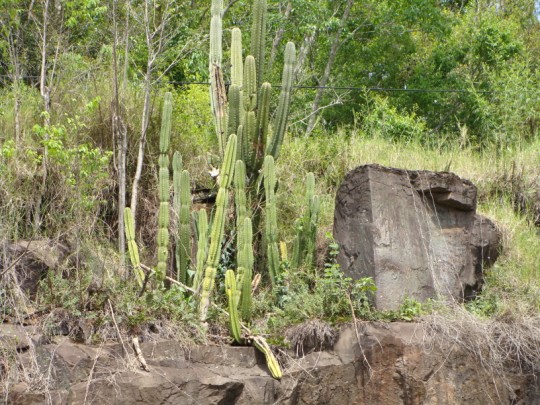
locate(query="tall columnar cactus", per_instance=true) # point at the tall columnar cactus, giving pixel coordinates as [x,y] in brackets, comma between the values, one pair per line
[132,246]
[164,179]
[183,244]
[218,97]
[240,197]
[282,112]
[306,228]
[202,247]
[234,320]
[218,226]
[258,37]
[177,174]
[271,219]
[245,261]
[237,62]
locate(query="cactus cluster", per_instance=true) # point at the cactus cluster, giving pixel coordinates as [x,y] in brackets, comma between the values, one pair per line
[248,142]
[246,112]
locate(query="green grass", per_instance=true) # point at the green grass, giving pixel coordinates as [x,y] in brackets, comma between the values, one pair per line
[515,278]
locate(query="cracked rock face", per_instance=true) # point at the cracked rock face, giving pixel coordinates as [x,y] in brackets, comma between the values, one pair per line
[377,364]
[416,233]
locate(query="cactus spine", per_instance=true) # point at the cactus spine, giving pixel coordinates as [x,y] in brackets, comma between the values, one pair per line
[218,226]
[271,219]
[234,320]
[132,246]
[164,178]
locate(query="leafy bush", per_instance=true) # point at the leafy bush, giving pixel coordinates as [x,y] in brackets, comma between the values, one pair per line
[384,120]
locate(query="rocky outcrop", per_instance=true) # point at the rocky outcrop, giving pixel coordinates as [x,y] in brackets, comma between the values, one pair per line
[378,364]
[416,233]
[31,260]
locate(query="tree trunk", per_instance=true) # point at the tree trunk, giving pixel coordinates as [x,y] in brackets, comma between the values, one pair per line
[336,41]
[120,135]
[142,143]
[278,37]
[45,95]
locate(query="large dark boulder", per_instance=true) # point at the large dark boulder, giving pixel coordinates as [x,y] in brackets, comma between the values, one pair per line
[415,232]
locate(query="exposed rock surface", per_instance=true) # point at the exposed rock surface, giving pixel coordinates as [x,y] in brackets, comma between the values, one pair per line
[415,232]
[395,363]
[31,260]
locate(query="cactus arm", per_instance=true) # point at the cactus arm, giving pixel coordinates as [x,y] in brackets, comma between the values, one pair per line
[263,114]
[258,37]
[282,112]
[260,343]
[217,87]
[237,64]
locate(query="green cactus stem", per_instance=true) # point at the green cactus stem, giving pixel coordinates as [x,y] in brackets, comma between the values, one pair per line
[218,226]
[237,64]
[273,365]
[184,240]
[258,37]
[234,109]
[306,228]
[271,219]
[164,179]
[282,112]
[218,98]
[263,114]
[202,247]
[234,320]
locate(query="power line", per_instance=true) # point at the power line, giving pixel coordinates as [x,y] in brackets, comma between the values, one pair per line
[349,88]
[382,89]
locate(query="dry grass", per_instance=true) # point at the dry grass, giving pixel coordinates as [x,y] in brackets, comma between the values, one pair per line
[313,335]
[501,345]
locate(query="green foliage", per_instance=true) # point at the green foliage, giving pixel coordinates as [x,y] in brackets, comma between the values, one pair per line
[384,120]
